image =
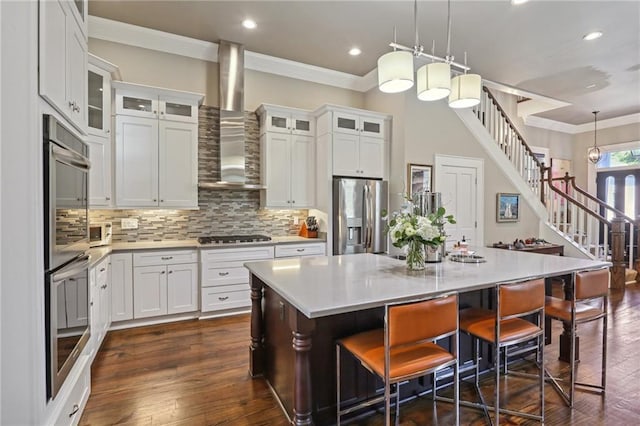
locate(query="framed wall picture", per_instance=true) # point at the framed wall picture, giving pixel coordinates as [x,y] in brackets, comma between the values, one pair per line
[419,178]
[507,207]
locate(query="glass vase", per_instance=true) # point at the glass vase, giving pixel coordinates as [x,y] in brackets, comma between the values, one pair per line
[415,256]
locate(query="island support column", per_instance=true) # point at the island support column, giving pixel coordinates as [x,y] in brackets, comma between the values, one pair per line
[256,350]
[301,328]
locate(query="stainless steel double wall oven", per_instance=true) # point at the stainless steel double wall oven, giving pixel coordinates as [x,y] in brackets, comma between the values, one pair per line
[66,241]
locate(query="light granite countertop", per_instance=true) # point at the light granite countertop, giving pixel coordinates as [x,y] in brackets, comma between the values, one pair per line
[322,286]
[98,253]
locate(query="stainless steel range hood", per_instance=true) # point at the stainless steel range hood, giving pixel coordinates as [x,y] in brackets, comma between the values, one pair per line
[232,140]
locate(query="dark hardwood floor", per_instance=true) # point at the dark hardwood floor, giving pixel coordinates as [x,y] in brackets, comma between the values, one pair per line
[195,373]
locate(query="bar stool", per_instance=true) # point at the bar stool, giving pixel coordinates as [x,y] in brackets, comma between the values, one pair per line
[589,286]
[504,328]
[405,349]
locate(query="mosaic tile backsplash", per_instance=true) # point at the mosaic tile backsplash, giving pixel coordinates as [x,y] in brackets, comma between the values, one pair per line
[221,211]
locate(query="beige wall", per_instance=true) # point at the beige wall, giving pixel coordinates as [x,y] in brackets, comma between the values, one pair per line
[153,68]
[609,136]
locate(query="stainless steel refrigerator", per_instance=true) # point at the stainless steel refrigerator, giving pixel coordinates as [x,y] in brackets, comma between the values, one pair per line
[358,226]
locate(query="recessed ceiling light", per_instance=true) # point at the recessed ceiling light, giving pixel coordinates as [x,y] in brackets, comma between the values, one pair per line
[517,2]
[355,51]
[249,23]
[592,35]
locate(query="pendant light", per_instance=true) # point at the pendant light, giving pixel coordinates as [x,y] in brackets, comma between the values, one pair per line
[594,153]
[433,80]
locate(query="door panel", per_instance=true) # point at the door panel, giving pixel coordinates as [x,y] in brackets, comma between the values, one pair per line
[302,171]
[458,188]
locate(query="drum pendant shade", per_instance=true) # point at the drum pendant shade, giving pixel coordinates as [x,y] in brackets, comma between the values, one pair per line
[395,71]
[465,91]
[434,81]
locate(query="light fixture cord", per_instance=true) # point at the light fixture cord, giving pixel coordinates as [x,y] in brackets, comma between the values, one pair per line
[449,58]
[415,23]
[595,128]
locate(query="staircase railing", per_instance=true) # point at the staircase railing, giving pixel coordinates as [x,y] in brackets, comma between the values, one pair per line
[632,243]
[511,142]
[570,216]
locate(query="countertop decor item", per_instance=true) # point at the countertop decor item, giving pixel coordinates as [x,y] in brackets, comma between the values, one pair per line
[409,229]
[309,228]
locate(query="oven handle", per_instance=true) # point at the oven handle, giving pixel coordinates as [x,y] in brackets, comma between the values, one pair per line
[71,158]
[72,270]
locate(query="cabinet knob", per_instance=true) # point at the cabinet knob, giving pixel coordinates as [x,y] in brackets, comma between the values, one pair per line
[161,200]
[108,198]
[171,272]
[102,269]
[108,131]
[293,201]
[155,112]
[155,200]
[162,272]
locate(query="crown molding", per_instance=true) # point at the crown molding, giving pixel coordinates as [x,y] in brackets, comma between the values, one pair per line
[133,35]
[573,129]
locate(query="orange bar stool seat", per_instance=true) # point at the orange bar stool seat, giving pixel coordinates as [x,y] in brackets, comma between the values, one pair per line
[404,349]
[504,328]
[588,303]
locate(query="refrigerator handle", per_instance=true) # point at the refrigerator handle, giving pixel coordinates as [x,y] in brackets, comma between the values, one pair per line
[368,215]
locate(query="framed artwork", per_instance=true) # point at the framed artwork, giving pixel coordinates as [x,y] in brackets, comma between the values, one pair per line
[507,207]
[419,178]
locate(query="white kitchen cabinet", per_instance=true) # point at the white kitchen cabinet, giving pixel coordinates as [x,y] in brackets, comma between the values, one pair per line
[163,284]
[225,280]
[100,178]
[287,149]
[288,170]
[358,156]
[99,76]
[72,403]
[63,59]
[356,124]
[300,250]
[279,119]
[121,286]
[100,302]
[156,147]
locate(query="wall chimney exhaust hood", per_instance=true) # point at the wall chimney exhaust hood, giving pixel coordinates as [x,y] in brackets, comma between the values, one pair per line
[232,140]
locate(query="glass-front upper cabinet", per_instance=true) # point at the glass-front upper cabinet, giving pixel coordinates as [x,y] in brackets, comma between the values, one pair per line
[144,101]
[99,96]
[279,119]
[178,110]
[358,125]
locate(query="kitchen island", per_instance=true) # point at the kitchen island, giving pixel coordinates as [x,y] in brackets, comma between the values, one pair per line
[301,306]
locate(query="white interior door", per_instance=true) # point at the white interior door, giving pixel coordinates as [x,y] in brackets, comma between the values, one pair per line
[460,181]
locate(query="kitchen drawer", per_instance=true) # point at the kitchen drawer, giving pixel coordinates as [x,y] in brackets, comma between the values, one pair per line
[76,400]
[225,258]
[290,250]
[224,276]
[225,297]
[171,257]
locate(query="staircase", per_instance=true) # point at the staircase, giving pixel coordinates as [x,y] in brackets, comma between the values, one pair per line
[593,228]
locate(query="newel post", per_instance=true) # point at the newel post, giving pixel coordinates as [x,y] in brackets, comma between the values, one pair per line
[617,253]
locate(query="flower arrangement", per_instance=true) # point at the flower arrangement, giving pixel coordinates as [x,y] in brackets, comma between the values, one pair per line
[408,228]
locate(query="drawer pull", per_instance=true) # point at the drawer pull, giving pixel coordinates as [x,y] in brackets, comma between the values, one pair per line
[223,274]
[222,299]
[102,269]
[75,410]
[300,250]
[167,257]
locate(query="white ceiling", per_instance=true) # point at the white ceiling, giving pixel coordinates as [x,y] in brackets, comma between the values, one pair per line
[536,47]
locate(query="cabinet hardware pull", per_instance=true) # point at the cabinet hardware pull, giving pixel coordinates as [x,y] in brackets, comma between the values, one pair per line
[161,200]
[162,272]
[155,200]
[223,298]
[72,279]
[108,198]
[102,269]
[223,274]
[91,304]
[300,250]
[166,257]
[171,272]
[75,410]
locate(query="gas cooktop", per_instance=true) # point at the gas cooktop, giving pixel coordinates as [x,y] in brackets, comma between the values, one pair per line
[232,239]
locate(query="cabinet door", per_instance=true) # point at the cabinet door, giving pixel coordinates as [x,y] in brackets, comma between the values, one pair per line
[79,11]
[278,163]
[105,301]
[100,172]
[302,124]
[77,76]
[372,127]
[95,314]
[53,54]
[346,123]
[177,110]
[371,157]
[278,122]
[98,101]
[345,155]
[149,291]
[302,171]
[136,104]
[121,286]
[136,162]
[182,288]
[178,174]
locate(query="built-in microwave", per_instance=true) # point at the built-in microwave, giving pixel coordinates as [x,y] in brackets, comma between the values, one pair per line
[100,234]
